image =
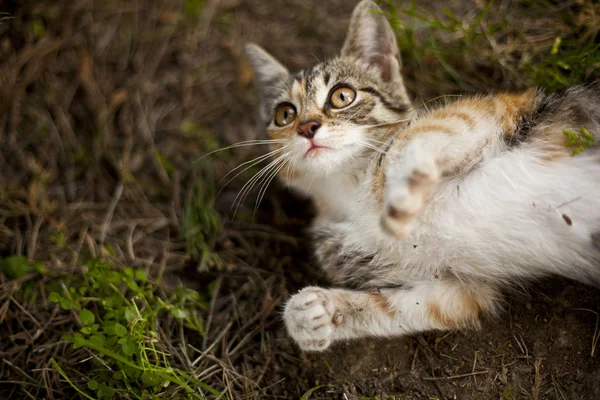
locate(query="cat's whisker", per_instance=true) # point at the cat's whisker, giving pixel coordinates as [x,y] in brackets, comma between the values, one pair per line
[387,123]
[254,177]
[264,181]
[265,185]
[375,140]
[289,169]
[241,144]
[370,146]
[257,159]
[265,177]
[240,198]
[247,188]
[254,162]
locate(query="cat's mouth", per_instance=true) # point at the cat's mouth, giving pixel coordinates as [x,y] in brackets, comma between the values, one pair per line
[315,150]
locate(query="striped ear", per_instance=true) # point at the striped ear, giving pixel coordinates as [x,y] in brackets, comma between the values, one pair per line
[271,75]
[371,41]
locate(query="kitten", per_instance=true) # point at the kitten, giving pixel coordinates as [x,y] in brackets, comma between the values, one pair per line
[427,221]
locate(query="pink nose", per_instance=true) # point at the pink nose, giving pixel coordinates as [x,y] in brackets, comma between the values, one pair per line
[308,129]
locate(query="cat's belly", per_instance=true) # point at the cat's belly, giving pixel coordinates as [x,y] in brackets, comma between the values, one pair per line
[512,218]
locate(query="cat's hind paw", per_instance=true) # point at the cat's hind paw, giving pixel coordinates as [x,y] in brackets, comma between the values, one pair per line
[311,318]
[408,185]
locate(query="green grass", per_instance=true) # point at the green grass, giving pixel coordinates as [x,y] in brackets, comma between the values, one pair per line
[201,223]
[124,320]
[489,46]
[121,314]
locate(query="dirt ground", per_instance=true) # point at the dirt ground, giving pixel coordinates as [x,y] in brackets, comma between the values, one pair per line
[105,106]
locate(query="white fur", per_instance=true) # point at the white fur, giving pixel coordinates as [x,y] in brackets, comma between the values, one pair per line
[499,224]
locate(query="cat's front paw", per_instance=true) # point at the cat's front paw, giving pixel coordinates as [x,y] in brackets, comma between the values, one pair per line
[311,318]
[408,185]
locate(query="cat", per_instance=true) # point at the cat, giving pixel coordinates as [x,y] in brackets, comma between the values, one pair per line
[426,216]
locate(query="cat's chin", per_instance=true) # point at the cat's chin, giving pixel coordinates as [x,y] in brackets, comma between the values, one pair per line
[325,161]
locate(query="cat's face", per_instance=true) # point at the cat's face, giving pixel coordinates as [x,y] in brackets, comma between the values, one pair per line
[332,116]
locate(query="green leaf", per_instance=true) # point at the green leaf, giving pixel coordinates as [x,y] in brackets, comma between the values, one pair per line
[556,45]
[55,297]
[93,385]
[113,301]
[87,317]
[179,313]
[129,348]
[106,393]
[120,330]
[151,379]
[16,267]
[585,133]
[130,314]
[97,339]
[78,341]
[141,275]
[65,304]
[133,286]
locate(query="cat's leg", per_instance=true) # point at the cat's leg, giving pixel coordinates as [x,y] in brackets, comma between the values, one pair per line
[444,142]
[316,317]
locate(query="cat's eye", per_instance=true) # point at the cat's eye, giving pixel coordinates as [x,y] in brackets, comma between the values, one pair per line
[342,97]
[285,114]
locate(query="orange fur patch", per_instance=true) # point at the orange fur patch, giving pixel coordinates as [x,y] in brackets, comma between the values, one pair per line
[428,127]
[452,112]
[510,107]
[459,317]
[383,304]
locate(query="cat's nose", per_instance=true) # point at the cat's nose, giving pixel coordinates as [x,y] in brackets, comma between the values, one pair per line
[308,129]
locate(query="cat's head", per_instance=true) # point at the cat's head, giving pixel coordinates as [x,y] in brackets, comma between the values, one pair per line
[329,118]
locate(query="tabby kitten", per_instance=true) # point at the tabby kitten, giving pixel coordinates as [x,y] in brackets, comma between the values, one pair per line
[427,221]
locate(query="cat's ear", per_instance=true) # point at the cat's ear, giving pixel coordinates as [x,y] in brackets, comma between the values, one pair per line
[371,40]
[271,75]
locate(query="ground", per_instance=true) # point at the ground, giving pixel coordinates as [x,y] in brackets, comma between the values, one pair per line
[106,108]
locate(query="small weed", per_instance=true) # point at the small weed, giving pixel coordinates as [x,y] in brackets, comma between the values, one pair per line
[193,7]
[201,222]
[16,267]
[507,394]
[121,315]
[307,395]
[580,141]
[162,160]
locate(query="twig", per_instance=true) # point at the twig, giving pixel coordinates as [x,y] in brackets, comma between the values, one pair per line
[110,212]
[473,369]
[445,378]
[211,310]
[535,392]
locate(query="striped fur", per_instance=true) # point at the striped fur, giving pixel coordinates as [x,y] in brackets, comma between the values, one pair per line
[426,229]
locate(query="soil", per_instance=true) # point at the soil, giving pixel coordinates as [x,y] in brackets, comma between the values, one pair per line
[543,346]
